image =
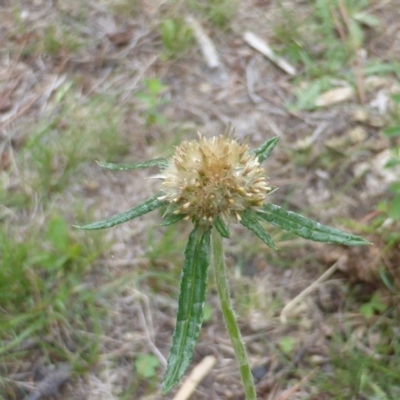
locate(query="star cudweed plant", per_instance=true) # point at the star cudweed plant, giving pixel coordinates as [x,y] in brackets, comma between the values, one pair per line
[211,182]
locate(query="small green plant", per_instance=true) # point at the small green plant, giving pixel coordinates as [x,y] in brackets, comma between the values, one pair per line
[176,37]
[70,132]
[41,272]
[211,182]
[151,99]
[356,374]
[327,39]
[218,12]
[57,39]
[287,344]
[146,365]
[375,305]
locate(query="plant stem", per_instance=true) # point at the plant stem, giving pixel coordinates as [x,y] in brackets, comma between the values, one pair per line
[218,257]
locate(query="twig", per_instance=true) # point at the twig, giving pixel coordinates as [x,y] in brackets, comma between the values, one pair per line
[5,103]
[21,111]
[147,324]
[338,25]
[261,46]
[288,393]
[274,128]
[196,376]
[309,289]
[250,81]
[207,46]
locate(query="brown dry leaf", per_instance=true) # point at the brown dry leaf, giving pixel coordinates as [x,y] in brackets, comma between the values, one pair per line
[334,96]
[357,134]
[5,105]
[288,393]
[196,376]
[121,38]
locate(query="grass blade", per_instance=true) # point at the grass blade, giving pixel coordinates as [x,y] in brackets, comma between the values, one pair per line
[307,228]
[143,208]
[265,149]
[157,162]
[191,305]
[250,221]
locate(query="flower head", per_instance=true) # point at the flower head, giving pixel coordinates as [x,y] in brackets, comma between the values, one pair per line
[211,177]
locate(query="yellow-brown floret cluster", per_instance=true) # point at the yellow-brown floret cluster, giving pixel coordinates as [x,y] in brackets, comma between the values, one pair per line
[213,176]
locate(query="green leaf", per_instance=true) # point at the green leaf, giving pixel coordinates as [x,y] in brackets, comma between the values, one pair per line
[306,228]
[374,68]
[265,149]
[392,131]
[306,96]
[366,19]
[221,227]
[143,208]
[57,233]
[356,34]
[171,219]
[250,221]
[287,344]
[375,305]
[208,313]
[154,86]
[393,162]
[394,210]
[396,98]
[191,305]
[157,162]
[146,365]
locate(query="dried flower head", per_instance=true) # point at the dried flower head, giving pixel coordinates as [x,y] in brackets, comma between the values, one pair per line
[215,176]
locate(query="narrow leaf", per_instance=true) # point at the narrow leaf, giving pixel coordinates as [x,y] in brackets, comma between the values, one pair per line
[265,149]
[143,208]
[306,228]
[250,221]
[171,219]
[157,162]
[222,228]
[191,305]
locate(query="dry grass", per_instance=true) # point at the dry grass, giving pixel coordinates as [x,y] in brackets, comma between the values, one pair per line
[73,89]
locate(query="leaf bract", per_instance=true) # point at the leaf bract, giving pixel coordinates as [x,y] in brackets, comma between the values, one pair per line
[221,227]
[307,228]
[191,305]
[171,219]
[143,208]
[249,219]
[265,149]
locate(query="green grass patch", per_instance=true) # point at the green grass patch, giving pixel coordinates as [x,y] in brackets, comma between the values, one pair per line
[43,291]
[48,306]
[355,373]
[218,12]
[75,131]
[176,37]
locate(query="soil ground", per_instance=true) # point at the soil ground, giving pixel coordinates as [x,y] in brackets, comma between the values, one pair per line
[329,166]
